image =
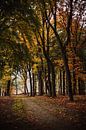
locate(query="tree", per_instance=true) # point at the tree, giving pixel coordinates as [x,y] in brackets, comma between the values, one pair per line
[44,33]
[51,10]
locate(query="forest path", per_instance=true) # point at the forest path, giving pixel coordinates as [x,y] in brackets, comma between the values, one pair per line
[39,113]
[48,115]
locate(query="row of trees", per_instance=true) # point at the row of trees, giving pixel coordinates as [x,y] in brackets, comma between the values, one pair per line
[43,39]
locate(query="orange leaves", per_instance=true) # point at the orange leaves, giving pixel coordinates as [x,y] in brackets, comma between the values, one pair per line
[70,66]
[82,76]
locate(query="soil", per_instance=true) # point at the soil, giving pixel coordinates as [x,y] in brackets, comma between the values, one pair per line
[42,113]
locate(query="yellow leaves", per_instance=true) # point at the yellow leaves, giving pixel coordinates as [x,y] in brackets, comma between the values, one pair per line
[37,59]
[6,75]
[34,68]
[60,62]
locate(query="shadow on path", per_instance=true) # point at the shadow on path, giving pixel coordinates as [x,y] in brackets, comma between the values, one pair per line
[35,114]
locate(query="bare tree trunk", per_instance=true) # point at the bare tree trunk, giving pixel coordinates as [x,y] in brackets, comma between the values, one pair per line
[0,91]
[8,88]
[53,81]
[63,82]
[30,82]
[40,81]
[46,78]
[60,84]
[16,85]
[25,87]
[49,80]
[34,90]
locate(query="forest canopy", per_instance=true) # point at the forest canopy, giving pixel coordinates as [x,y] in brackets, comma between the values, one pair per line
[43,41]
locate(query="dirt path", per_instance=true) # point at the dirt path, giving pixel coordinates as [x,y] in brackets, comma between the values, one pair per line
[12,115]
[48,115]
[39,113]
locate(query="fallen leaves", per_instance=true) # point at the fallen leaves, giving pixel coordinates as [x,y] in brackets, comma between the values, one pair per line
[40,108]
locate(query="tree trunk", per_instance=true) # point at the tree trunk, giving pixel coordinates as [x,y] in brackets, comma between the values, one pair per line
[60,44]
[53,81]
[74,78]
[49,80]
[30,82]
[40,82]
[0,91]
[8,88]
[60,84]
[16,85]
[45,78]
[34,90]
[25,86]
[74,84]
[68,75]
[65,60]
[63,82]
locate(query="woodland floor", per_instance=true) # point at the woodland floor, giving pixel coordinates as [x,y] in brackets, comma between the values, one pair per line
[42,113]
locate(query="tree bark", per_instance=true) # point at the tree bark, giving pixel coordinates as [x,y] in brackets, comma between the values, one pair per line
[40,82]
[60,84]
[34,90]
[8,88]
[30,82]
[25,87]
[63,82]
[53,81]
